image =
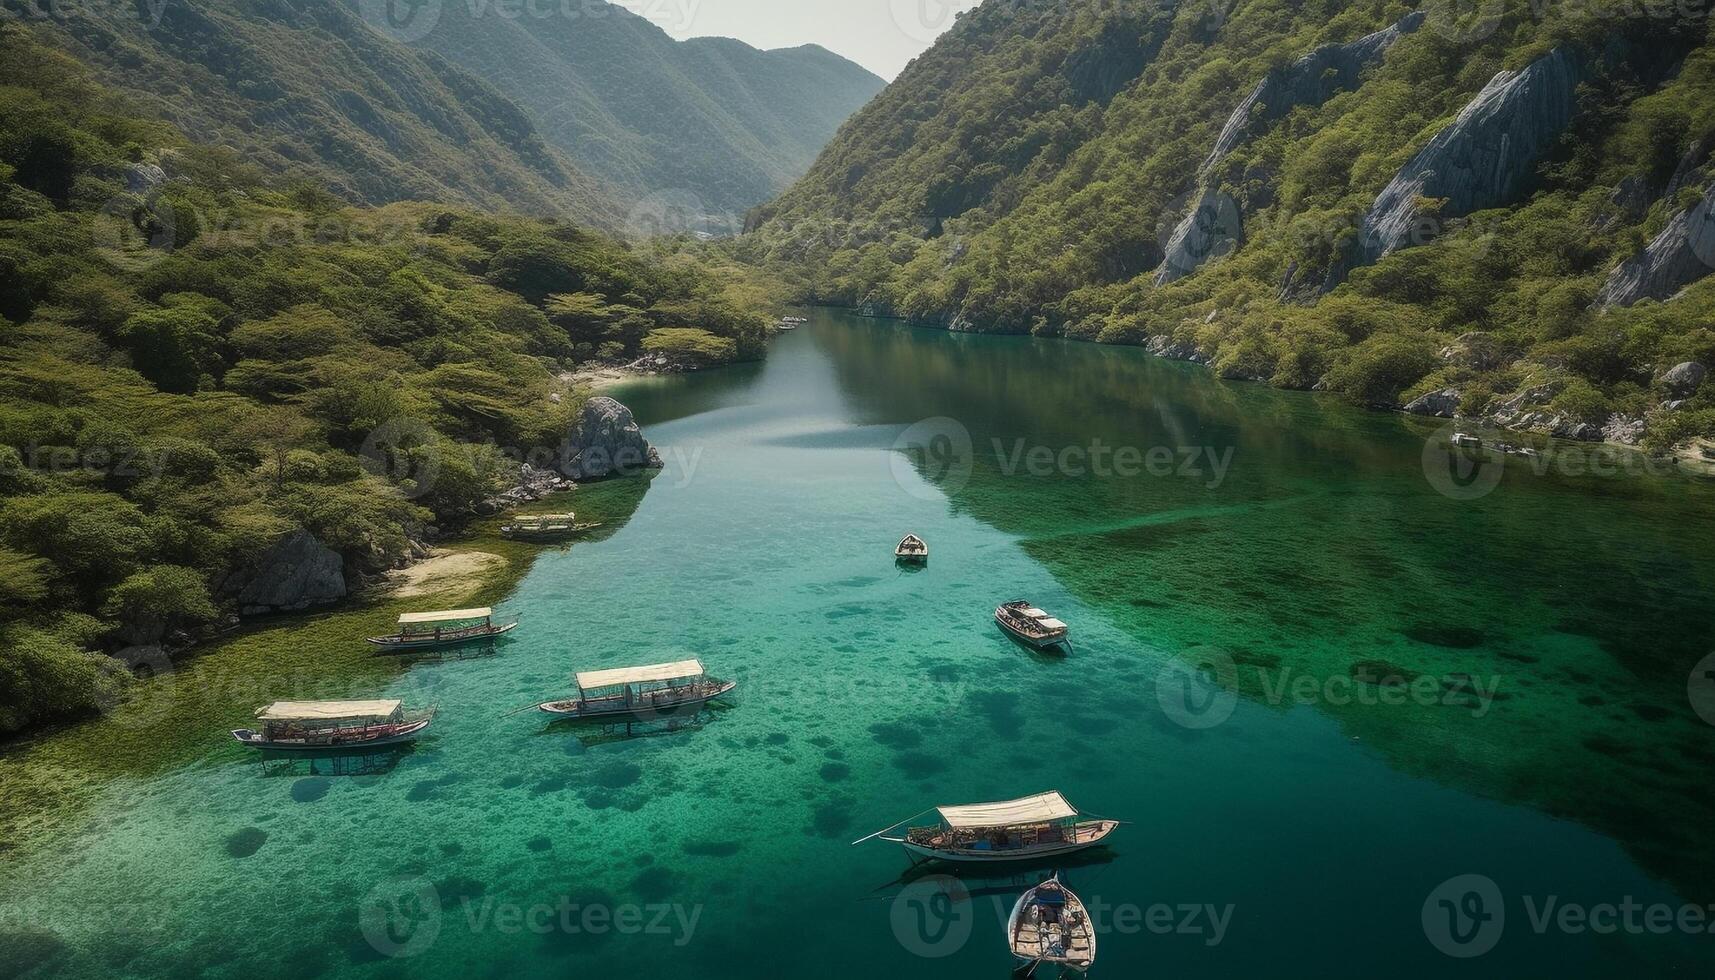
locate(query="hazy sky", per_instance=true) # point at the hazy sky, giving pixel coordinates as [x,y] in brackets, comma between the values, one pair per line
[881,35]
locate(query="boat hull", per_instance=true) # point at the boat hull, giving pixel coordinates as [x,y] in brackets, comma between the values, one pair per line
[577,711]
[1029,949]
[404,734]
[1034,641]
[399,644]
[1084,841]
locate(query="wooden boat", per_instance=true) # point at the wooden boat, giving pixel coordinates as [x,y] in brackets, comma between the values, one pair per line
[640,693]
[1050,925]
[322,725]
[913,549]
[544,527]
[428,630]
[1031,625]
[1465,440]
[1027,829]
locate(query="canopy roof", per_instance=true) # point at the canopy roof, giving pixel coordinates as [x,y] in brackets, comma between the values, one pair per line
[1052,623]
[451,616]
[327,710]
[1013,813]
[1033,613]
[590,679]
[545,518]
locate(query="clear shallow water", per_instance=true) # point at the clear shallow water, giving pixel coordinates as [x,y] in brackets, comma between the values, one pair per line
[1323,820]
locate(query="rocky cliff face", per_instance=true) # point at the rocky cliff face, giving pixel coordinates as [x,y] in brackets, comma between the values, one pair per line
[606,442]
[295,574]
[1215,226]
[1311,80]
[1486,158]
[1683,253]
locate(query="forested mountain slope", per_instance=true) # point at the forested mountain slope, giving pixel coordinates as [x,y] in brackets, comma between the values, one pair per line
[305,89]
[200,367]
[1502,213]
[709,121]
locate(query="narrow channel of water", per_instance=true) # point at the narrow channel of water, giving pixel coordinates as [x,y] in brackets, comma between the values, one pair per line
[1426,686]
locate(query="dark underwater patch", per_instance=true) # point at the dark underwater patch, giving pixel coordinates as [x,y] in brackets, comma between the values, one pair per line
[311,789]
[246,842]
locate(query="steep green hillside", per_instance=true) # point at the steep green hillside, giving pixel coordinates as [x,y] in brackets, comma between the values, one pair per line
[305,89]
[196,365]
[1506,212]
[710,124]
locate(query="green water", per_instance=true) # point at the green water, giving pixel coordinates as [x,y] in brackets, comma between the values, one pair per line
[1556,619]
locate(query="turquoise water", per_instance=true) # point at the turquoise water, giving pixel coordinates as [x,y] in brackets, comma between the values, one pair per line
[1304,834]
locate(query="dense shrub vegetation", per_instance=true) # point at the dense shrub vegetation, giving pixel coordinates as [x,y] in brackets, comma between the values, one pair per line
[194,363]
[1024,175]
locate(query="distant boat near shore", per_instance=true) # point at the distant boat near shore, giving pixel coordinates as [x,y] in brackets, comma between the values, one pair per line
[434,630]
[913,550]
[1032,626]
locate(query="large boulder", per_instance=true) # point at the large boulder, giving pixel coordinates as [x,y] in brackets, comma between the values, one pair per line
[296,573]
[1683,380]
[606,441]
[1485,158]
[1441,404]
[1683,253]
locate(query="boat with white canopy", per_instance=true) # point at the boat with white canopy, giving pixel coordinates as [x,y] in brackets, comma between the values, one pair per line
[1025,829]
[544,527]
[912,550]
[314,725]
[1050,925]
[1031,626]
[427,630]
[640,693]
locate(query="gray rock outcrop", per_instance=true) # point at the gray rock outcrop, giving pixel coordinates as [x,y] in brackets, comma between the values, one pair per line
[1441,404]
[1484,159]
[1311,80]
[141,178]
[1214,226]
[606,441]
[295,574]
[1683,253]
[1683,380]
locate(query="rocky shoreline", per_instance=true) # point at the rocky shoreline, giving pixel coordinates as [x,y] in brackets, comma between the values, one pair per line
[1525,412]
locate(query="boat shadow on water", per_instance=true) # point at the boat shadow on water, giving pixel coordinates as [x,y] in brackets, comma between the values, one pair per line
[593,732]
[332,762]
[1000,877]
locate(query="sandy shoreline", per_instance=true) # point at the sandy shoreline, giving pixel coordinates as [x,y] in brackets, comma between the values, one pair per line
[449,573]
